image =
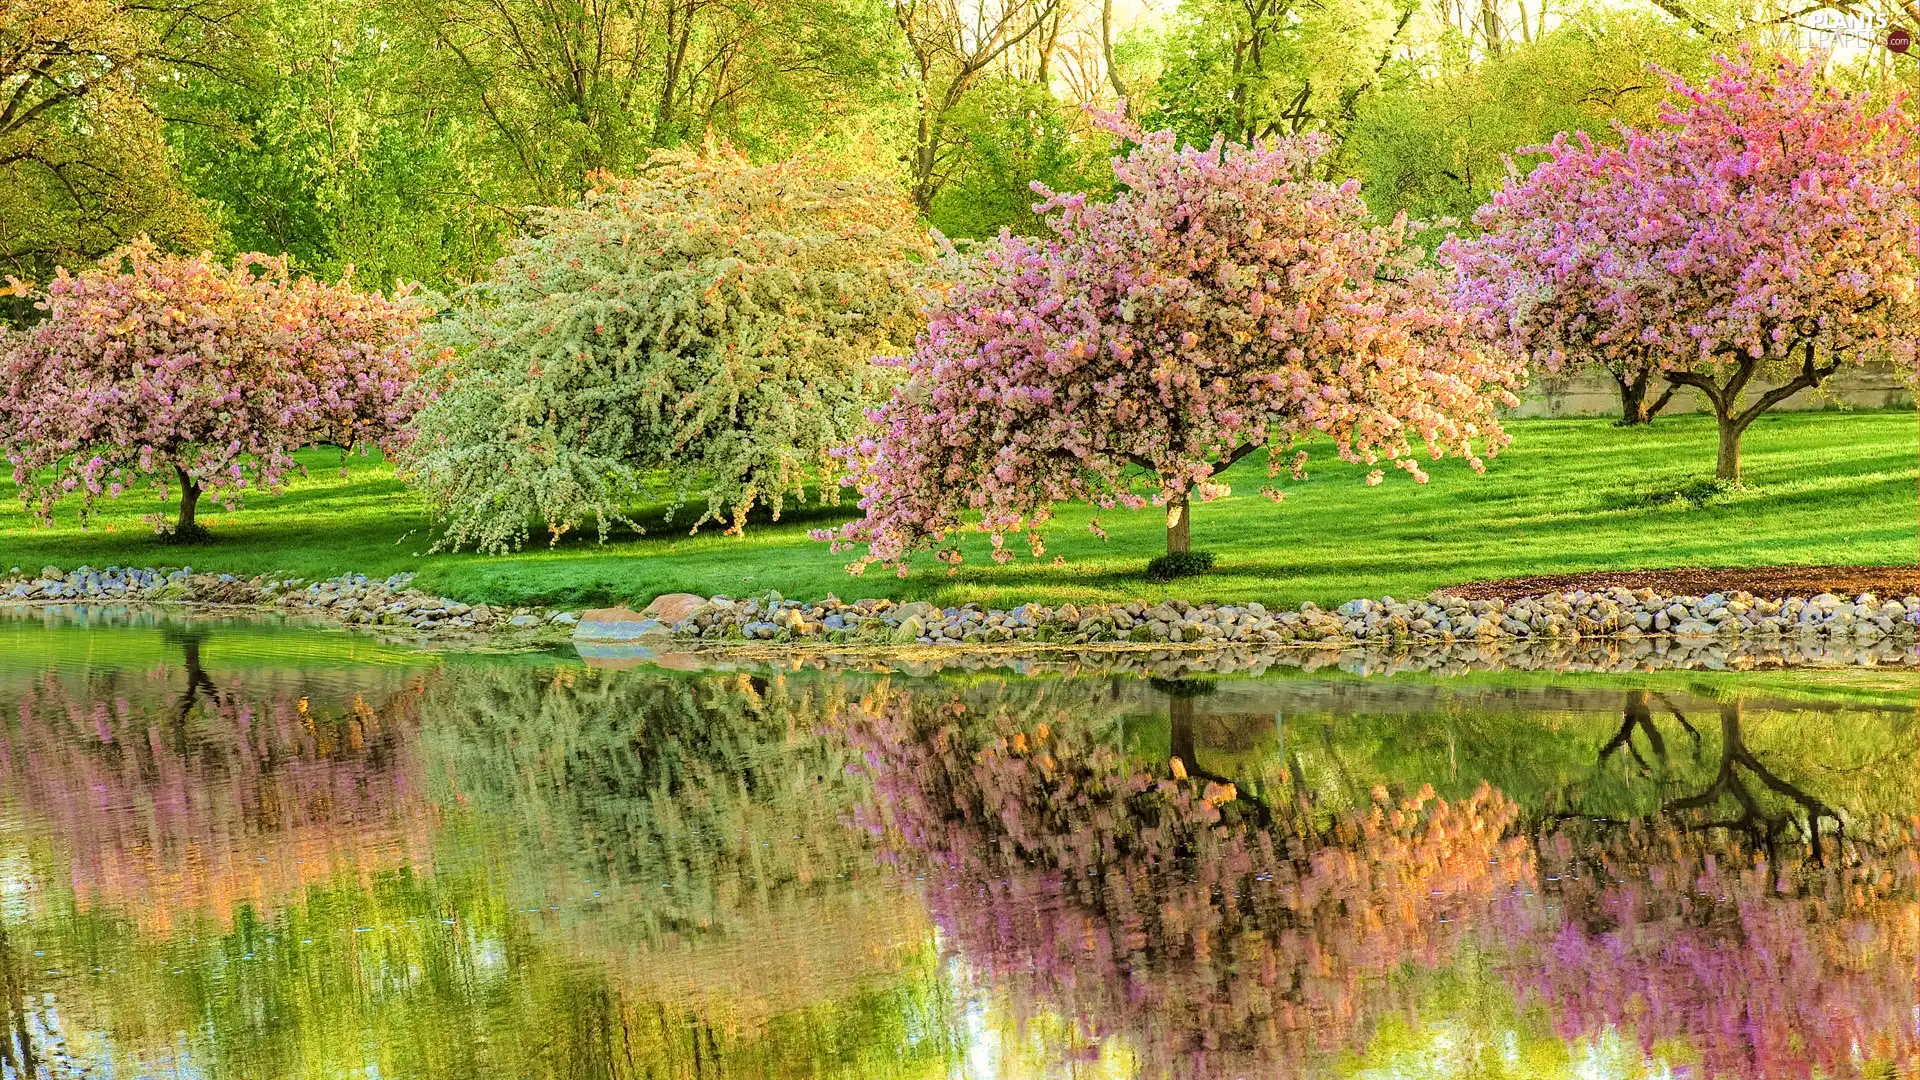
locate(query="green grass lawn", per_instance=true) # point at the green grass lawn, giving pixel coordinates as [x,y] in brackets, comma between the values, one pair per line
[1570,495]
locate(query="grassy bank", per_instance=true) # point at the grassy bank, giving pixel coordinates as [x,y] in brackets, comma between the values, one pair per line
[1571,495]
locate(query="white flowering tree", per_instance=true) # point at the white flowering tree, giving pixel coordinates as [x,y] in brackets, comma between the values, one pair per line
[703,331]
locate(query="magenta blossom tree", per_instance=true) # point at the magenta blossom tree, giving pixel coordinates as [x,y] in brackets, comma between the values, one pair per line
[1224,302]
[164,370]
[1560,258]
[1763,238]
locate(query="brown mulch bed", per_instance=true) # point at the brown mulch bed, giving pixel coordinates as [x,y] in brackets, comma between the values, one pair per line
[1772,582]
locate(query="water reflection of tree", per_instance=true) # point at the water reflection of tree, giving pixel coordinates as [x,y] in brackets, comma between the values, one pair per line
[189,639]
[769,955]
[1731,923]
[174,792]
[1805,817]
[16,1040]
[710,819]
[1749,920]
[1167,913]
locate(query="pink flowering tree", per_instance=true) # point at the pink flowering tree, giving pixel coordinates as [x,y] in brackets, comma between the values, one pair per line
[163,370]
[1225,302]
[1763,238]
[1559,260]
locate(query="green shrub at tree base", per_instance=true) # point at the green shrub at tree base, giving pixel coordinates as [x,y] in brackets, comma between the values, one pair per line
[1179,564]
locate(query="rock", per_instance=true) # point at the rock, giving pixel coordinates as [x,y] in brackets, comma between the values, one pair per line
[521,622]
[52,573]
[564,618]
[674,607]
[617,624]
[910,630]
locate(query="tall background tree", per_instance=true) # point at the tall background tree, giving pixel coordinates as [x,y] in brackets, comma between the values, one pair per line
[318,141]
[82,156]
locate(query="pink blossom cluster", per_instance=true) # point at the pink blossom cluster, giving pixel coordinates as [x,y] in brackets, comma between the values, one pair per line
[1771,222]
[151,368]
[1225,301]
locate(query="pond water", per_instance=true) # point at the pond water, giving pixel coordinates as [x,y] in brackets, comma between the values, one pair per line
[242,850]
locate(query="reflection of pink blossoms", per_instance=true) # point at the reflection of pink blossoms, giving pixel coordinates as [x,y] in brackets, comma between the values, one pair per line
[250,799]
[1786,971]
[1174,913]
[1216,934]
[1224,302]
[161,369]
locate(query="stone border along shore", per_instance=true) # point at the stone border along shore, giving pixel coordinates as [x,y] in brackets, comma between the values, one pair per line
[351,599]
[1618,614]
[689,621]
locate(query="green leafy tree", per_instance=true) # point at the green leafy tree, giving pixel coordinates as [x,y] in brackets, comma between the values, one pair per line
[1435,143]
[562,90]
[1010,135]
[951,49]
[321,145]
[1250,69]
[82,159]
[706,328]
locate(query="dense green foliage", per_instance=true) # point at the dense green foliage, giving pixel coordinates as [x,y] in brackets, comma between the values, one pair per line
[409,137]
[1436,145]
[83,156]
[705,329]
[1569,495]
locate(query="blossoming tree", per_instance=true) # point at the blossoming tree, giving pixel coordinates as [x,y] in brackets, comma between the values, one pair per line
[705,329]
[185,370]
[1224,302]
[1560,257]
[1769,233]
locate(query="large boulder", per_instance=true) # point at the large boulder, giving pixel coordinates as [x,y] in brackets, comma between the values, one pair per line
[619,624]
[673,607]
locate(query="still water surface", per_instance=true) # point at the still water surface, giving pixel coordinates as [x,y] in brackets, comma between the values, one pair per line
[238,850]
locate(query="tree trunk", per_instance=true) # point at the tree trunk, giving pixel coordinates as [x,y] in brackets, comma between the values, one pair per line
[1725,400]
[1635,409]
[1180,733]
[1179,533]
[1728,468]
[189,500]
[1106,53]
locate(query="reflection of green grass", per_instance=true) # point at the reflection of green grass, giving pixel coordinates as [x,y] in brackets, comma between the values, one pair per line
[1570,495]
[28,646]
[1540,748]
